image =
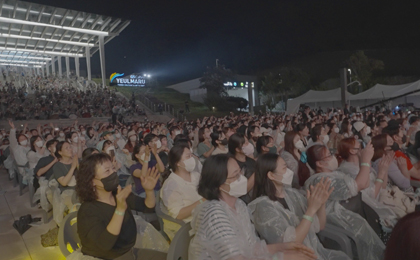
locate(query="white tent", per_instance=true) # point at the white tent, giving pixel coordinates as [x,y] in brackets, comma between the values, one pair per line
[313,98]
[380,92]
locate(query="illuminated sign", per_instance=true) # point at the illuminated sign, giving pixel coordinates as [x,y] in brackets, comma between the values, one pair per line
[133,80]
[234,84]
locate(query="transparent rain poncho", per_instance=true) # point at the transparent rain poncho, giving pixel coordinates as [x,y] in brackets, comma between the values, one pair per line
[345,187]
[275,224]
[224,233]
[387,216]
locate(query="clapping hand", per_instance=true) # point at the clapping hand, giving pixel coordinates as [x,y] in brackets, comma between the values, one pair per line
[318,195]
[149,181]
[367,153]
[121,197]
[402,163]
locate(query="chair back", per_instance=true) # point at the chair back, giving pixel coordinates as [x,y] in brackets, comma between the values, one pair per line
[67,234]
[178,250]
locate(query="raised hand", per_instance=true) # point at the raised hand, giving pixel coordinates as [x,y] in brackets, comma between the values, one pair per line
[149,181]
[385,162]
[121,197]
[367,153]
[12,125]
[402,164]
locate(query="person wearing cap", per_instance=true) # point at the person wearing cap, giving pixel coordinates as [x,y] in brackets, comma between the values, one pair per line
[362,132]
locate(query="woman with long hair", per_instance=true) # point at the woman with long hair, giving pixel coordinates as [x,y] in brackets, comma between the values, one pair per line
[345,187]
[204,148]
[38,150]
[295,159]
[179,191]
[283,214]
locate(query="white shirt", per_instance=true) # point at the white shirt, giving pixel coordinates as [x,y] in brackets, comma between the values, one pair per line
[19,151]
[176,194]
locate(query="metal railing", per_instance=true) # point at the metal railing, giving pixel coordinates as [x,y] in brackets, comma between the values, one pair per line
[166,108]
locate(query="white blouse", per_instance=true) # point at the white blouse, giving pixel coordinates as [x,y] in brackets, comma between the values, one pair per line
[176,194]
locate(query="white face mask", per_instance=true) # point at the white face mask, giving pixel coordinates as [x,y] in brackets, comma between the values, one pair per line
[287,177]
[108,150]
[158,144]
[248,150]
[238,188]
[133,138]
[189,164]
[75,140]
[299,145]
[368,130]
[24,142]
[143,157]
[177,132]
[336,129]
[39,143]
[111,138]
[61,134]
[47,132]
[83,132]
[332,164]
[326,139]
[281,128]
[118,135]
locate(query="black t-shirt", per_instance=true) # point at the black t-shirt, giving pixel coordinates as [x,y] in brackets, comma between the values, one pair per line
[44,161]
[92,221]
[249,166]
[283,202]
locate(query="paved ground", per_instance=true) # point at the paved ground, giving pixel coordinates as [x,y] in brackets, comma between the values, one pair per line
[13,246]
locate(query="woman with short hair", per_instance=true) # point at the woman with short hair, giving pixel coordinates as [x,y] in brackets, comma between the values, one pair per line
[105,224]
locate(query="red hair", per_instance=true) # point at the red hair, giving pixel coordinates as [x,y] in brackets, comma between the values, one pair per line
[344,147]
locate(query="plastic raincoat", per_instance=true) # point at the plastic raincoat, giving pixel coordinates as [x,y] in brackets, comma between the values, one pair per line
[225,233]
[276,224]
[387,216]
[345,187]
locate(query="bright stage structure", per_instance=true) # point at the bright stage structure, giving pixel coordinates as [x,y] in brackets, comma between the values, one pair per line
[39,36]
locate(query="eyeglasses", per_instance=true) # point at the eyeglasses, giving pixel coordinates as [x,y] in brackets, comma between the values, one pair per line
[328,156]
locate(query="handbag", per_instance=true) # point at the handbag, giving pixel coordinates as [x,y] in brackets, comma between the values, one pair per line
[398,201]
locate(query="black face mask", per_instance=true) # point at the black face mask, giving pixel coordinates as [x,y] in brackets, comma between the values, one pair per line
[404,139]
[224,141]
[395,147]
[111,182]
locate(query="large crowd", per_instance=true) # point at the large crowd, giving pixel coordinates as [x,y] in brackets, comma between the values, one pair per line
[54,97]
[251,187]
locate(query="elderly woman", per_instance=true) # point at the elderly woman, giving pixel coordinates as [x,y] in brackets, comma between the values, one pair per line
[222,224]
[345,187]
[105,224]
[283,214]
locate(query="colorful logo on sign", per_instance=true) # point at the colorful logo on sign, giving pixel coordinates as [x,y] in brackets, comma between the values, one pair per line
[115,75]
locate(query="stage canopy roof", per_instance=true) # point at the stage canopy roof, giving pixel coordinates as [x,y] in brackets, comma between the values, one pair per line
[31,34]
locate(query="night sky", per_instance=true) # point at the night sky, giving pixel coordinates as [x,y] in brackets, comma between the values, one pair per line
[176,40]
